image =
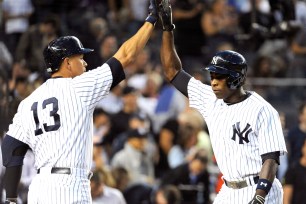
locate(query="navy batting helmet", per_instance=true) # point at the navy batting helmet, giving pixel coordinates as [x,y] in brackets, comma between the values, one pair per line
[232,64]
[59,49]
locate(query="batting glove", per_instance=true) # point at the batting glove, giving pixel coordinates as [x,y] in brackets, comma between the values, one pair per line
[258,199]
[165,15]
[153,13]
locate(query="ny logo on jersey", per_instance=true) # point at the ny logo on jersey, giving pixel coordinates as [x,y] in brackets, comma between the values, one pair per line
[243,136]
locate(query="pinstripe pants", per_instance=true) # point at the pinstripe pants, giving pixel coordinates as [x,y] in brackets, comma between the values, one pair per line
[59,189]
[244,195]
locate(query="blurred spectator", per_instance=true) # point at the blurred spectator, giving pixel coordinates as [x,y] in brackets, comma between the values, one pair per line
[7,107]
[113,102]
[188,32]
[219,24]
[295,180]
[120,120]
[298,49]
[148,99]
[165,139]
[101,192]
[139,193]
[186,140]
[136,121]
[297,135]
[136,72]
[190,125]
[101,127]
[30,47]
[101,41]
[263,67]
[121,177]
[193,117]
[170,103]
[260,16]
[137,10]
[16,20]
[168,194]
[192,179]
[118,16]
[300,12]
[140,167]
[283,160]
[6,59]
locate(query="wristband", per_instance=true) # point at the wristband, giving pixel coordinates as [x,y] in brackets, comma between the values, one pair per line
[264,184]
[151,19]
[169,28]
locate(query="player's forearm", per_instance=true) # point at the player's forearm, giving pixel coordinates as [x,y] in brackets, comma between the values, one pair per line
[11,181]
[131,48]
[268,172]
[170,61]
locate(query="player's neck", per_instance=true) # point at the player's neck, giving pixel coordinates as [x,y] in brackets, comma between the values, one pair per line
[237,98]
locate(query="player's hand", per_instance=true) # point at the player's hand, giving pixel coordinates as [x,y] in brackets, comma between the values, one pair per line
[258,199]
[153,13]
[165,15]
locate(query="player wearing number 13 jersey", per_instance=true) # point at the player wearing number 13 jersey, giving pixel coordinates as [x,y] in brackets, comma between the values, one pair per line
[56,121]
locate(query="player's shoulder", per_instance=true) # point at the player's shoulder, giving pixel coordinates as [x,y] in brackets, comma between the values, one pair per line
[258,101]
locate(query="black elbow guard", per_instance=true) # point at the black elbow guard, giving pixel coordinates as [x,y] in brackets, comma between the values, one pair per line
[13,151]
[180,81]
[271,155]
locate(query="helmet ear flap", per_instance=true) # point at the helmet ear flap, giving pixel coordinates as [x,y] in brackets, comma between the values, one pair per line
[235,82]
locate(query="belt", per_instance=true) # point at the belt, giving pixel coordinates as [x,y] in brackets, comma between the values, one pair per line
[62,170]
[241,184]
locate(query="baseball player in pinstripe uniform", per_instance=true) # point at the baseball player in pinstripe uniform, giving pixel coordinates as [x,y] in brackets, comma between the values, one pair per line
[55,121]
[245,130]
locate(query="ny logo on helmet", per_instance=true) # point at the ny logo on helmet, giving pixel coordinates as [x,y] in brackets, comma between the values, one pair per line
[216,59]
[243,135]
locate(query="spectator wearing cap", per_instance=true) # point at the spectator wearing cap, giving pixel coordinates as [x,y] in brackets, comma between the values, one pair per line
[192,178]
[136,121]
[134,158]
[120,120]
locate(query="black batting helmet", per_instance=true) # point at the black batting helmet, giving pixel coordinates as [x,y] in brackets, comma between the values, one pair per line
[232,64]
[60,48]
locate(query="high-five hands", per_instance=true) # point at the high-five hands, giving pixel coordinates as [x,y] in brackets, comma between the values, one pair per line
[165,15]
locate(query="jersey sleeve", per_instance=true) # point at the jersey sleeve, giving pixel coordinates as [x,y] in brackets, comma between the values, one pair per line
[200,95]
[95,84]
[270,133]
[16,129]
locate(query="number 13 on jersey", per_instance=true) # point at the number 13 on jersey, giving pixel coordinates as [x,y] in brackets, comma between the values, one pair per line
[53,114]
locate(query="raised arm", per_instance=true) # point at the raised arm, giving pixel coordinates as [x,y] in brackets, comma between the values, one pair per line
[170,60]
[131,48]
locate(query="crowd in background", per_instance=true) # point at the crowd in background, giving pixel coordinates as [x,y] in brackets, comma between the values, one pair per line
[144,130]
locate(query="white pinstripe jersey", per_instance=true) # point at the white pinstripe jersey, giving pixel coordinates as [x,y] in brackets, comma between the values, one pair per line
[56,119]
[240,132]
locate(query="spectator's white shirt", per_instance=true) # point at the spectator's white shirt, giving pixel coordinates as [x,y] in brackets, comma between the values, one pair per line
[17,7]
[110,195]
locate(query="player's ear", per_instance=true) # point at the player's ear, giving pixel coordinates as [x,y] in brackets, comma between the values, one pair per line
[67,63]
